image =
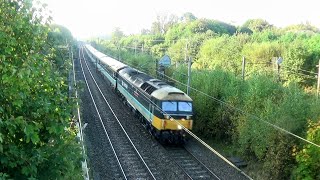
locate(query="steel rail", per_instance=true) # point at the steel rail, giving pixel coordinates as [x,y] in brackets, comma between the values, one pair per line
[180,157]
[133,145]
[203,165]
[105,130]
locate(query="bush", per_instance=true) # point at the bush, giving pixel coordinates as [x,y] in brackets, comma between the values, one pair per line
[35,140]
[308,158]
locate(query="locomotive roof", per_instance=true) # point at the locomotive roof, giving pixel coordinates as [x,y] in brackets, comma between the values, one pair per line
[170,93]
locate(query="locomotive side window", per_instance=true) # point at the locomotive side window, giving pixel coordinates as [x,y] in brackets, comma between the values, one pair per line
[185,106]
[169,106]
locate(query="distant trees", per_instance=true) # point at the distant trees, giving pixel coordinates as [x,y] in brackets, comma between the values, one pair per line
[116,35]
[306,28]
[257,25]
[163,23]
[285,98]
[188,17]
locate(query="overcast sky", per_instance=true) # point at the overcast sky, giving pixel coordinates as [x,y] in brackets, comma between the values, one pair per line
[87,18]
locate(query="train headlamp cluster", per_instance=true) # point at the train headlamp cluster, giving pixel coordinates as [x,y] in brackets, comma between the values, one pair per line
[166,116]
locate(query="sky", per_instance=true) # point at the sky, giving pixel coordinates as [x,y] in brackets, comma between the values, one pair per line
[89,18]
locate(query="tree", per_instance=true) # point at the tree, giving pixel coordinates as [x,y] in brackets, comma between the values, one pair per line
[116,35]
[145,31]
[188,17]
[60,38]
[307,27]
[257,25]
[35,138]
[163,23]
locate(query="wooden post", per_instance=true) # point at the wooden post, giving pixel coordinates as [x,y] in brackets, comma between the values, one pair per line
[278,62]
[142,48]
[278,70]
[243,67]
[318,85]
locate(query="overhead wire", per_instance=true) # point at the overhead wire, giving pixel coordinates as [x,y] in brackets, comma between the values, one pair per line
[291,70]
[303,75]
[242,111]
[192,134]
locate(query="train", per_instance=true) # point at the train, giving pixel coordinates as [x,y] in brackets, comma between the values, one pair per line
[158,105]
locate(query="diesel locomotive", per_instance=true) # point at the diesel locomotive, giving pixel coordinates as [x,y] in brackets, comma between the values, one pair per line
[158,105]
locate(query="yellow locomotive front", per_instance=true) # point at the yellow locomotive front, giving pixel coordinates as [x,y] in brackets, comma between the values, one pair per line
[173,113]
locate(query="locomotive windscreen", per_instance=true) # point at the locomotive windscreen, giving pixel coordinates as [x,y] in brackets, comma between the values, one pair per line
[172,106]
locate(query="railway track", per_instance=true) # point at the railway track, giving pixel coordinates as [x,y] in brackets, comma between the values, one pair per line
[130,163]
[193,167]
[161,162]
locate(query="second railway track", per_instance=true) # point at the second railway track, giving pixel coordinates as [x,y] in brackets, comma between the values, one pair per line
[194,168]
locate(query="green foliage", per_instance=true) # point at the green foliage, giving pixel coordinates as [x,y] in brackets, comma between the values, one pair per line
[306,28]
[308,157]
[257,25]
[266,36]
[177,52]
[213,120]
[163,23]
[217,50]
[224,51]
[117,34]
[288,108]
[260,56]
[60,41]
[35,110]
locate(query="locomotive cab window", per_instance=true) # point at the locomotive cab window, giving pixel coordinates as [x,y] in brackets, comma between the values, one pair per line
[185,106]
[169,106]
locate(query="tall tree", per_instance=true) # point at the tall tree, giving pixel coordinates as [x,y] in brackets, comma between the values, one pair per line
[257,25]
[163,23]
[116,35]
[303,27]
[188,17]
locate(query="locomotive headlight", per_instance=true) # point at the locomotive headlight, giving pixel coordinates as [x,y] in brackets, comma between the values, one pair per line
[179,127]
[166,116]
